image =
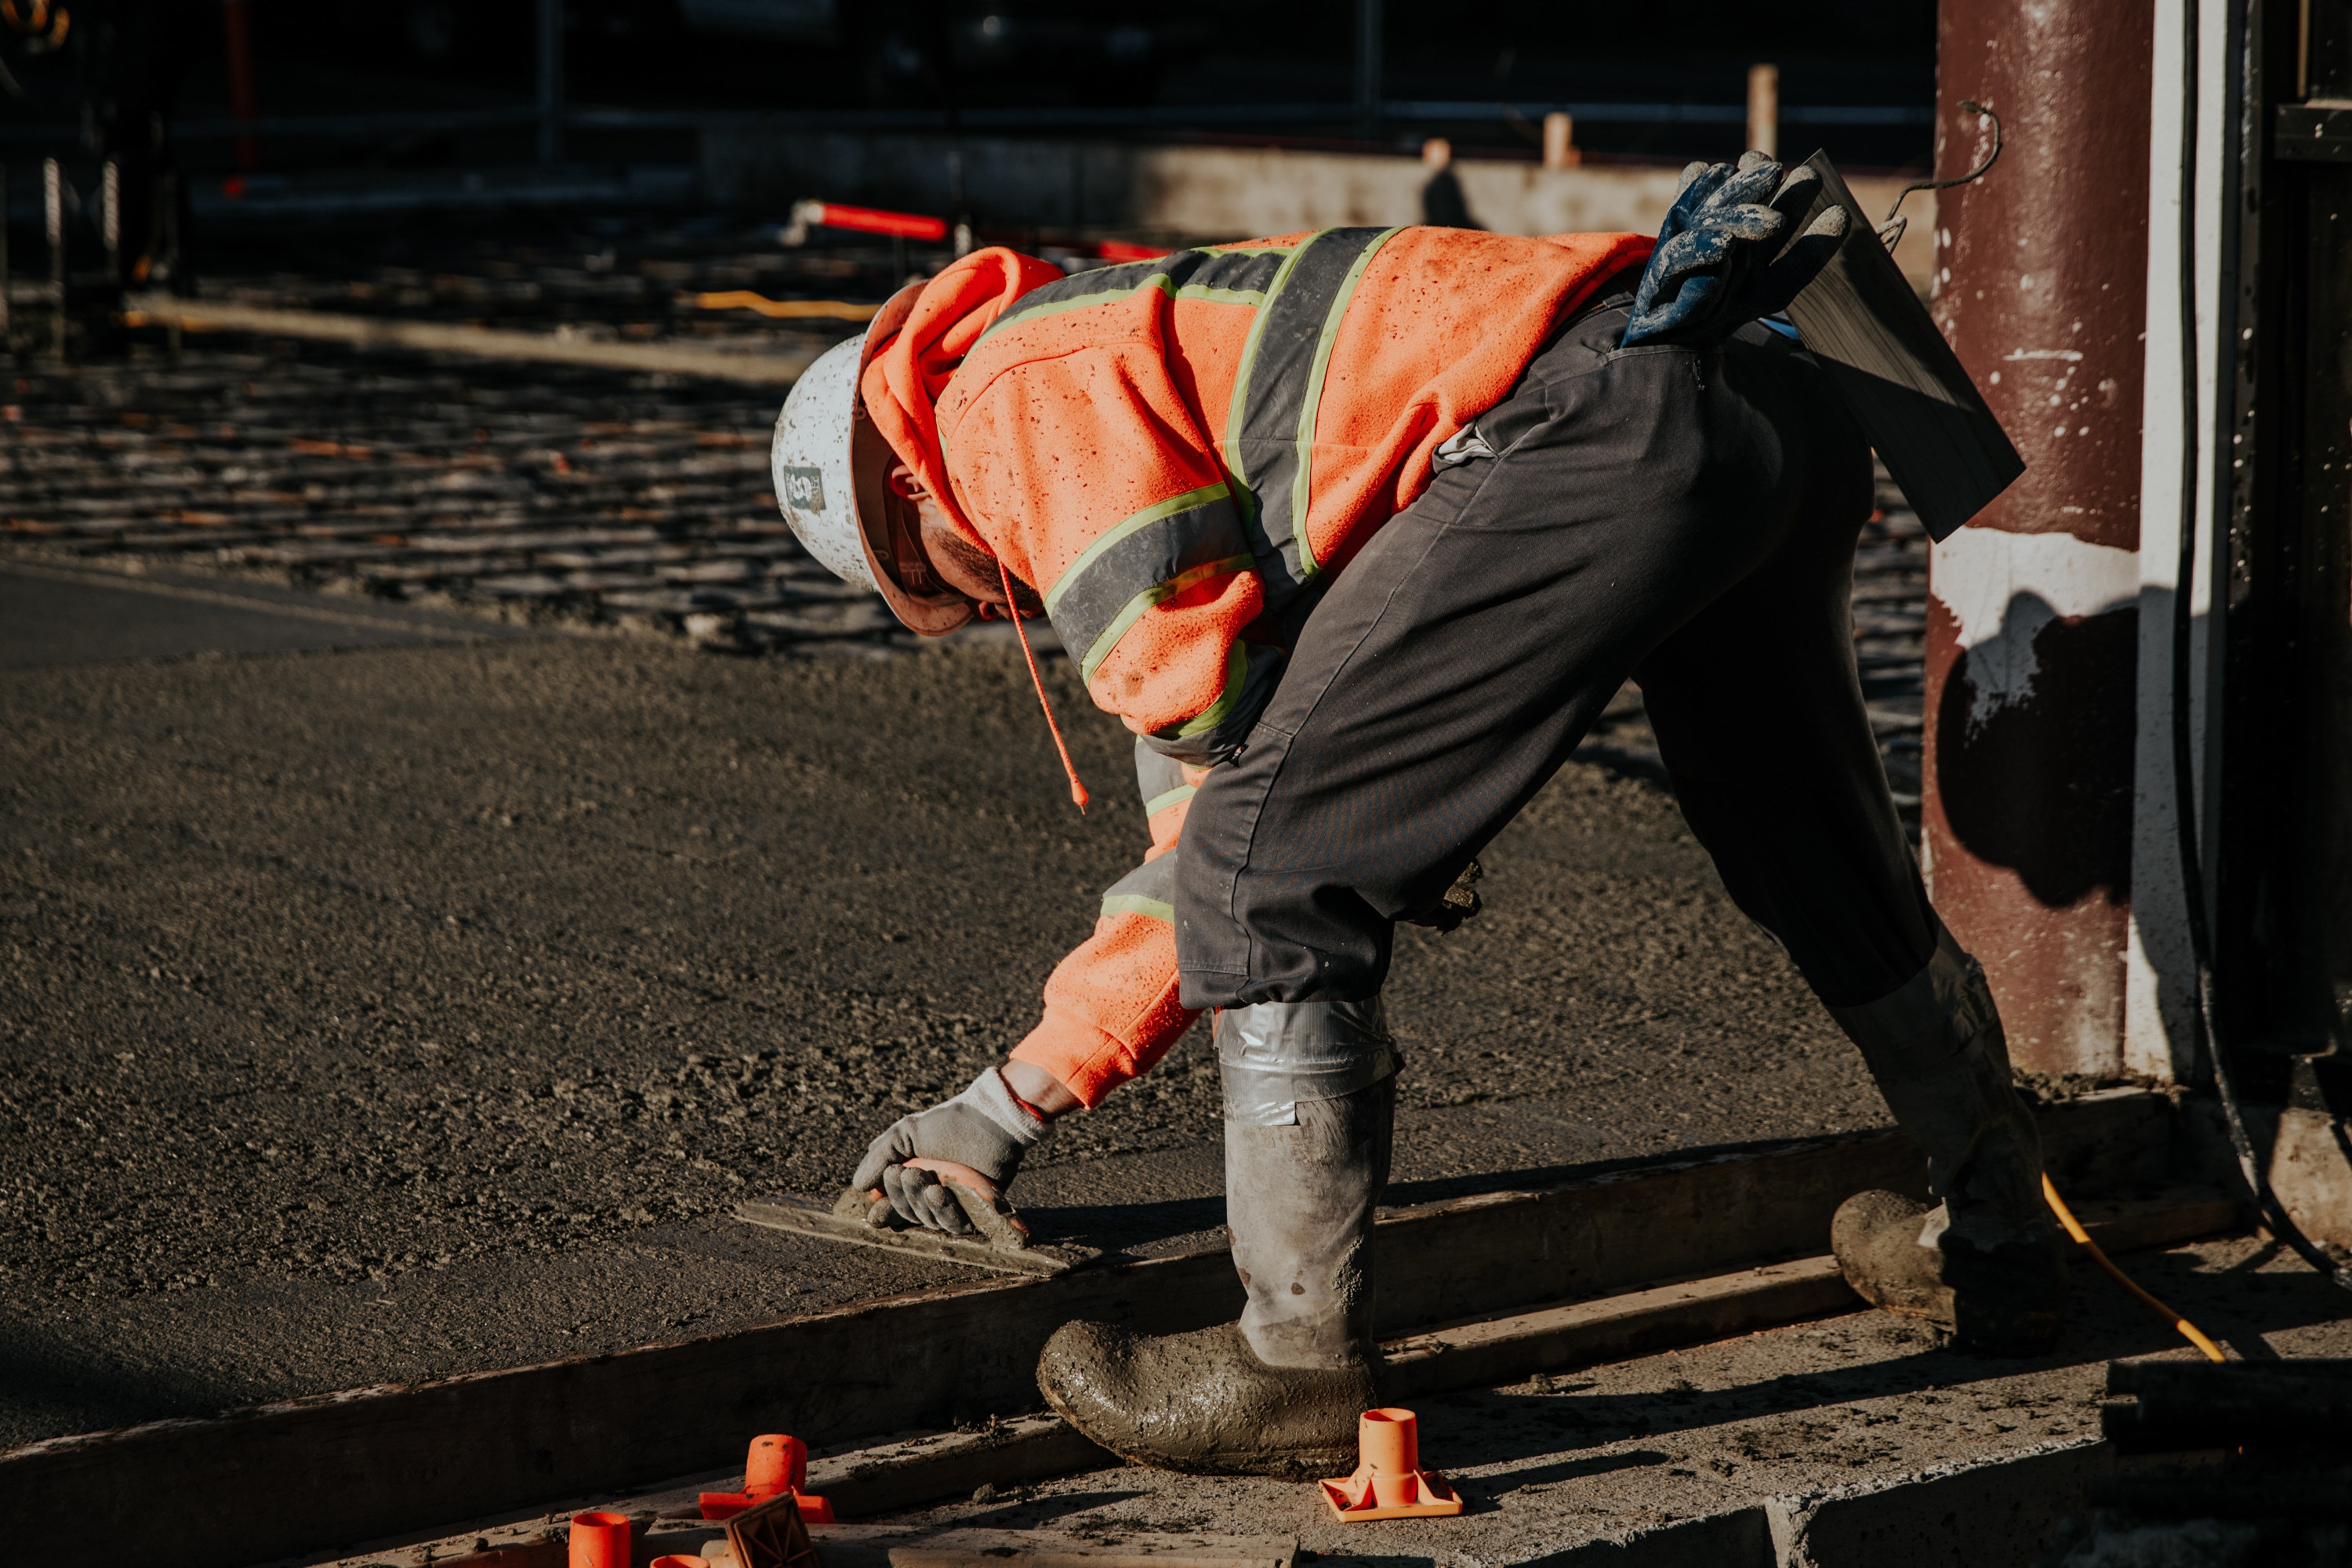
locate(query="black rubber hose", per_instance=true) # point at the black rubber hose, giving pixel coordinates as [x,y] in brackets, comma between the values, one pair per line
[2204,1012]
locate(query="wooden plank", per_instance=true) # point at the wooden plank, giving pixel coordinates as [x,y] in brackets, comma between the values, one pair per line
[871,1546]
[1653,1220]
[870,1482]
[764,369]
[369,1463]
[1692,1312]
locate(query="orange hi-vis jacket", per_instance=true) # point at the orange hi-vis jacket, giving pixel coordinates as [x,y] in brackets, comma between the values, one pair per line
[1180,454]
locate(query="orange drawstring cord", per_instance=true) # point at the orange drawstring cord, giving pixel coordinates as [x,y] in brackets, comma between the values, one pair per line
[1013,614]
[2187,1330]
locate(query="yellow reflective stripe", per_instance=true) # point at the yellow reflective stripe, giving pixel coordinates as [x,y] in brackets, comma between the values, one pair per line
[1236,676]
[1120,531]
[1156,594]
[1132,904]
[1301,481]
[1245,501]
[1160,280]
[1166,798]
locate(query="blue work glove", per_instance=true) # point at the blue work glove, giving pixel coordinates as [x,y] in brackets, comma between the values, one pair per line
[1725,258]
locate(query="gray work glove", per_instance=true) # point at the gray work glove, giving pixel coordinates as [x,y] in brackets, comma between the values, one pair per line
[984,1127]
[1723,255]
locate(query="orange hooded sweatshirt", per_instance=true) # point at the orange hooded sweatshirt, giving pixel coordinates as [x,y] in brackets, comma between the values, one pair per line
[1179,454]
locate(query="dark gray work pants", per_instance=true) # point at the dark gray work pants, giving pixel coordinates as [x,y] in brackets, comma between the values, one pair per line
[1684,518]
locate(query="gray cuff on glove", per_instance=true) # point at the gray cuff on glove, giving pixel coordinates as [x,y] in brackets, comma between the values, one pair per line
[984,1127]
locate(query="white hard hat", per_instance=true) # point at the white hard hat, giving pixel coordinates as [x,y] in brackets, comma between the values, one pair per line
[830,464]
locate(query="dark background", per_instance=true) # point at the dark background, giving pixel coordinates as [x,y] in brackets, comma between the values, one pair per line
[345,56]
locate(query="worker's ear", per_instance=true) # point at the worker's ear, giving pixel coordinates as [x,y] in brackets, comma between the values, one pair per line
[903,482]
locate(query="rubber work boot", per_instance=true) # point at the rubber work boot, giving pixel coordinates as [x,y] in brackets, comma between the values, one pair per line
[1278,1393]
[1987,1261]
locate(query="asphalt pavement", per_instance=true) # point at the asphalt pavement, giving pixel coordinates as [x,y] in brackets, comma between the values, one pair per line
[426,1005]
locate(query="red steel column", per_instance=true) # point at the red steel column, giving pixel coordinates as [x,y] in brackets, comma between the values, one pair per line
[2032,620]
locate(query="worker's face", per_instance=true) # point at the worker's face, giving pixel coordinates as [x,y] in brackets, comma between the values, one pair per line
[954,559]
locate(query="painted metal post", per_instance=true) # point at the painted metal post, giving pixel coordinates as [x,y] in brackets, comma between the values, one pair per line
[551,80]
[1764,110]
[53,217]
[2188,415]
[2033,631]
[1560,151]
[1368,70]
[110,218]
[237,29]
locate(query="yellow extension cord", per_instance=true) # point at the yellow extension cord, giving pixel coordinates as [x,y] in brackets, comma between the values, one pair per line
[2187,1330]
[744,300]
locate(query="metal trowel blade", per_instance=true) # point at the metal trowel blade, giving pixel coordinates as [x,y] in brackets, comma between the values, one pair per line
[845,1220]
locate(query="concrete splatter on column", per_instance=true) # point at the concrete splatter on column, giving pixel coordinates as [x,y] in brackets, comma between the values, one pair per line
[2031,618]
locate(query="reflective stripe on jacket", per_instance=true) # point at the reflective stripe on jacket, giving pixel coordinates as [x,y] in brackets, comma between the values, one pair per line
[1178,452]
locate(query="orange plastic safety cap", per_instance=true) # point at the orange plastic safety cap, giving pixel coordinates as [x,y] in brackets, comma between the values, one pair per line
[600,1540]
[673,1561]
[775,1463]
[1389,1483]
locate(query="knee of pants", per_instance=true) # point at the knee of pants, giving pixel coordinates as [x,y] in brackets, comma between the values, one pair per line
[1273,1057]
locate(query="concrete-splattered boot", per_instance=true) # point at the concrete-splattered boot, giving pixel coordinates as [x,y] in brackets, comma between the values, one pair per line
[1279,1391]
[1987,1261]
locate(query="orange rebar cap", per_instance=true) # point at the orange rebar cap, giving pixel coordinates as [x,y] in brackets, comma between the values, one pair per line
[1389,1483]
[675,1561]
[777,1463]
[600,1540]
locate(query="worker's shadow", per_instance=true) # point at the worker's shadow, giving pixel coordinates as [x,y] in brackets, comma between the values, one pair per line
[1114,1227]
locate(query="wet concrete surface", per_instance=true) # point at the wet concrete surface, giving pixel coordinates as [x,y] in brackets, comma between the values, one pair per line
[427,1008]
[57,614]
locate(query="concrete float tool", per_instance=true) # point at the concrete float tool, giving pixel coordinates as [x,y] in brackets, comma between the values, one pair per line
[1001,1240]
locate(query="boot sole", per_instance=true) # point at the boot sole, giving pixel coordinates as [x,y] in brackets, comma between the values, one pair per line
[1291,1467]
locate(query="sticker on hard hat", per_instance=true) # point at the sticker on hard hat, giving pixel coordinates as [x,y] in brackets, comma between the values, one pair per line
[804,489]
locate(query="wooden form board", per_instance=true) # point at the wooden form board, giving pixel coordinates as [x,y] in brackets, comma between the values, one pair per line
[757,369]
[1482,1352]
[371,1462]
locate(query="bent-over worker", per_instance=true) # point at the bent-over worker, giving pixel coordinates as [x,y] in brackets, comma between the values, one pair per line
[1357,531]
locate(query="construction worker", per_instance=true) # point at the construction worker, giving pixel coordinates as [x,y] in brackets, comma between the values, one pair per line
[1357,531]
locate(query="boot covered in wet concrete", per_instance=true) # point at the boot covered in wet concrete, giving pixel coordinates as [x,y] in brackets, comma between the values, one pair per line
[1987,1261]
[1279,1391]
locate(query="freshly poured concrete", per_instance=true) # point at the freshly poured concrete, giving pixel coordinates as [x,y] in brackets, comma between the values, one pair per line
[414,1009]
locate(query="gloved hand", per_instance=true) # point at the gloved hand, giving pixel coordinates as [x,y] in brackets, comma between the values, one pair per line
[984,1127]
[1720,262]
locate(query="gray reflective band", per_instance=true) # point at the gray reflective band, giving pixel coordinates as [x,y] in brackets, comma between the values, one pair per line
[1273,1055]
[1149,889]
[1269,436]
[1156,775]
[1151,556]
